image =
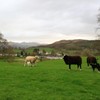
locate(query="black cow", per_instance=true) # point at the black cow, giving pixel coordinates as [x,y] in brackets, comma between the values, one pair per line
[73,60]
[91,60]
[95,66]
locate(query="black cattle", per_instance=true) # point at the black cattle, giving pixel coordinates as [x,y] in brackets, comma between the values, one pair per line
[95,66]
[73,60]
[91,60]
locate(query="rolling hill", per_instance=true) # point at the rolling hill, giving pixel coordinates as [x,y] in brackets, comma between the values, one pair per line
[76,47]
[75,44]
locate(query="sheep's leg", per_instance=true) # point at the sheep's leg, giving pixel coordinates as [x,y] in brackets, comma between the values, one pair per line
[25,63]
[69,66]
[93,68]
[31,63]
[77,66]
[80,67]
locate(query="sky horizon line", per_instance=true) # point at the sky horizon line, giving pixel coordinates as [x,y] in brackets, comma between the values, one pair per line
[52,42]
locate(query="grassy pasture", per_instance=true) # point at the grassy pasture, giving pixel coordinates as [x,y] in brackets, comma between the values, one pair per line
[48,80]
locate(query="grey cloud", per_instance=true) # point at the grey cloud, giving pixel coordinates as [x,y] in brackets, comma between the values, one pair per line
[41,17]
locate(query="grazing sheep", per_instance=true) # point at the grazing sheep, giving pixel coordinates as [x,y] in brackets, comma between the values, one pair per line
[30,60]
[73,60]
[95,66]
[91,60]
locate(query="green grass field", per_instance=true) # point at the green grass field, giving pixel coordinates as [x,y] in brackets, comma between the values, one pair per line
[48,80]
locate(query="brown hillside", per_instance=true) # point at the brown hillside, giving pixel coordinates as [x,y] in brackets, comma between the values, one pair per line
[75,44]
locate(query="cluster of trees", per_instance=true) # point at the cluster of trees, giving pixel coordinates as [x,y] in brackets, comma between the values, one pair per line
[6,51]
[37,51]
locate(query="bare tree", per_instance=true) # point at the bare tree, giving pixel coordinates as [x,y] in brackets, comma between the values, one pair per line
[3,43]
[6,51]
[99,17]
[98,28]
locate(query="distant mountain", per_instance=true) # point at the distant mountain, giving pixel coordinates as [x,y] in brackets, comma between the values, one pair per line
[23,44]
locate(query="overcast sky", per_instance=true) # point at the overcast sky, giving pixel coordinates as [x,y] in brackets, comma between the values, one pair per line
[47,21]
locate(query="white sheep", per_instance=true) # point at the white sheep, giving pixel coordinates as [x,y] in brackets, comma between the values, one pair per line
[30,60]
